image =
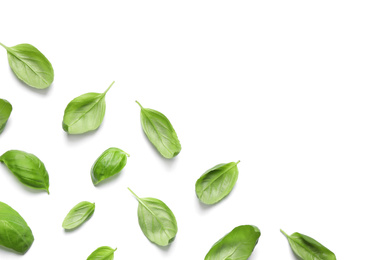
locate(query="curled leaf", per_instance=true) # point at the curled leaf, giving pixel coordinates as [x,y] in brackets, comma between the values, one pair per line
[109,163]
[27,168]
[30,65]
[78,215]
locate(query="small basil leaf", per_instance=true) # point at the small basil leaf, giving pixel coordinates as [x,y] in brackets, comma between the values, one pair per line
[216,183]
[15,234]
[27,168]
[78,215]
[156,220]
[102,253]
[237,245]
[30,65]
[5,112]
[160,132]
[85,113]
[109,163]
[307,248]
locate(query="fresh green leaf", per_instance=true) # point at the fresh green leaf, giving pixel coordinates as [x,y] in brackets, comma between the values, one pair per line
[160,132]
[15,234]
[307,248]
[30,65]
[237,245]
[102,253]
[27,168]
[5,112]
[78,215]
[156,220]
[216,183]
[109,163]
[85,113]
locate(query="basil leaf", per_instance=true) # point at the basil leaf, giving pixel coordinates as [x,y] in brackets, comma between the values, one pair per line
[156,220]
[85,113]
[237,245]
[78,215]
[307,248]
[27,168]
[109,163]
[15,234]
[5,112]
[30,65]
[160,132]
[216,183]
[102,253]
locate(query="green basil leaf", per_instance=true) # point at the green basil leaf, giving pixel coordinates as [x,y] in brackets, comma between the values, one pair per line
[15,234]
[156,220]
[27,168]
[85,113]
[216,183]
[237,245]
[5,112]
[30,65]
[307,248]
[160,132]
[109,163]
[102,253]
[78,215]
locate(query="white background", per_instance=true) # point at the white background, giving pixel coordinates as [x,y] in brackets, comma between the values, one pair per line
[296,90]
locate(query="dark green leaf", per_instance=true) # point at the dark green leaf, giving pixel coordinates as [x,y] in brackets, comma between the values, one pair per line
[217,182]
[27,168]
[160,132]
[85,113]
[307,248]
[30,65]
[78,215]
[15,234]
[5,112]
[109,163]
[237,245]
[102,253]
[156,220]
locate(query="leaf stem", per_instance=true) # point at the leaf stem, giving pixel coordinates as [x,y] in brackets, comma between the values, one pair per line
[139,104]
[3,45]
[109,87]
[284,233]
[135,195]
[238,162]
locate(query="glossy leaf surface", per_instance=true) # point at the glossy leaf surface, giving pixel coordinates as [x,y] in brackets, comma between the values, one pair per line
[160,132]
[307,248]
[78,215]
[27,168]
[15,234]
[5,112]
[109,163]
[217,182]
[30,65]
[156,220]
[85,113]
[102,253]
[237,245]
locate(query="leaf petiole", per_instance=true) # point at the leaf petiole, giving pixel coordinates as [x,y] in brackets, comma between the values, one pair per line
[284,233]
[139,104]
[105,92]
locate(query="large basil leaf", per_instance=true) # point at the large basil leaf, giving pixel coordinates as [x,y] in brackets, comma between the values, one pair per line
[78,215]
[5,112]
[160,132]
[102,253]
[307,248]
[156,220]
[85,113]
[217,182]
[14,231]
[30,65]
[109,163]
[237,245]
[27,168]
